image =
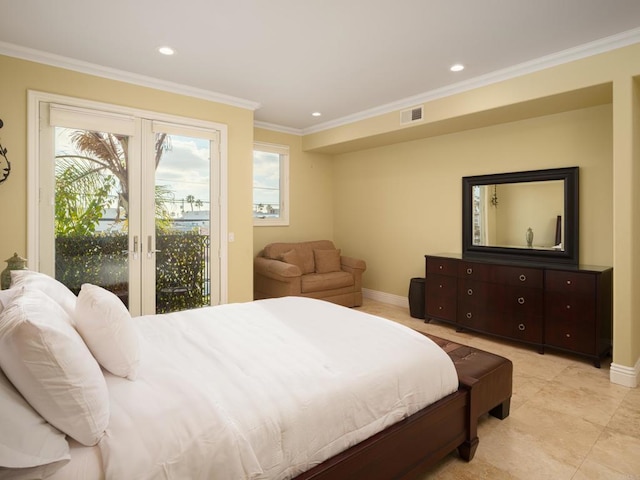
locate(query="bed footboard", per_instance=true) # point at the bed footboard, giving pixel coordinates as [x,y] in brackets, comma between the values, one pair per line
[408,448]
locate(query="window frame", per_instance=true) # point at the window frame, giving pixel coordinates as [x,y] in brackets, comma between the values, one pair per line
[283,151]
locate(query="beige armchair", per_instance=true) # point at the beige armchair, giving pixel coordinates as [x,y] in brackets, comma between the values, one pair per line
[308,269]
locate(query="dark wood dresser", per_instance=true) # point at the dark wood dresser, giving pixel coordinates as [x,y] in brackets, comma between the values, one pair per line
[560,307]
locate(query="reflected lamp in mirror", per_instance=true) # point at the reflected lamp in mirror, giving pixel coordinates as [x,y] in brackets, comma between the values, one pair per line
[536,218]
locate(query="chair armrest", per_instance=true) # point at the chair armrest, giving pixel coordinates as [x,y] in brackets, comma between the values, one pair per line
[353,263]
[276,269]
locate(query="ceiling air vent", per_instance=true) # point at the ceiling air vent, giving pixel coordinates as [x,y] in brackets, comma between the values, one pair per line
[411,115]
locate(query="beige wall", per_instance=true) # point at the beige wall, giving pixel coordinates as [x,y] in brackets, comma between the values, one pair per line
[397,203]
[311,194]
[376,150]
[20,76]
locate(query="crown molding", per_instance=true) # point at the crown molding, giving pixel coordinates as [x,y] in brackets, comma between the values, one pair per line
[53,60]
[606,44]
[278,128]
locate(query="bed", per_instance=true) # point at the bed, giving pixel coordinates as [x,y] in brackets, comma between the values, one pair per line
[273,389]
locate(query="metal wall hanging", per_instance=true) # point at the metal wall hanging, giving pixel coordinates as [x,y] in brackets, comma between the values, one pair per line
[5,166]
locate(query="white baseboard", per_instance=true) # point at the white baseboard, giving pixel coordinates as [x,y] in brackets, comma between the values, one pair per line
[386,297]
[625,376]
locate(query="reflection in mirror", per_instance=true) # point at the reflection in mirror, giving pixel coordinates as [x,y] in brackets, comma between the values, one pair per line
[529,216]
[520,215]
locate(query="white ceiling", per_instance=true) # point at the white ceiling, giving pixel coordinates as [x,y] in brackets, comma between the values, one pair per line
[344,58]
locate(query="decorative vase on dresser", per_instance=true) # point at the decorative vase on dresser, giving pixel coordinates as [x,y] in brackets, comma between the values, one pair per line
[561,307]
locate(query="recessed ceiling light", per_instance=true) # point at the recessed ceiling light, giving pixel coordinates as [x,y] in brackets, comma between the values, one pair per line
[316,114]
[457,67]
[166,50]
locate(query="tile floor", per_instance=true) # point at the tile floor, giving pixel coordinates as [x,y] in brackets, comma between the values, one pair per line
[567,420]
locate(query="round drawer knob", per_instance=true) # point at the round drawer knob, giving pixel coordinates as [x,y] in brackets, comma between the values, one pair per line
[469,315]
[440,285]
[469,271]
[521,327]
[568,307]
[521,300]
[568,335]
[523,278]
[439,308]
[440,267]
[568,282]
[470,292]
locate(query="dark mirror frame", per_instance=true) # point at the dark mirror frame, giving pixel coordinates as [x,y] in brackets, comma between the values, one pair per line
[571,213]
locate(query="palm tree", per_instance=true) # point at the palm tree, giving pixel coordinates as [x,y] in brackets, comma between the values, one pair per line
[107,154]
[190,200]
[199,204]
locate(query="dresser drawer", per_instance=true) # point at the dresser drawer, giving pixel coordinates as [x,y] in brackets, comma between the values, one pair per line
[474,293]
[527,328]
[570,282]
[474,271]
[475,316]
[520,276]
[440,297]
[517,301]
[442,266]
[573,334]
[560,307]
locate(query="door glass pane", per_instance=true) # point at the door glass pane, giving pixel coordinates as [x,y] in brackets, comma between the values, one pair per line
[91,210]
[183,210]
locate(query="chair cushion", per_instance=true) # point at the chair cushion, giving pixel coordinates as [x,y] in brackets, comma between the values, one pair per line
[292,258]
[327,261]
[304,250]
[317,282]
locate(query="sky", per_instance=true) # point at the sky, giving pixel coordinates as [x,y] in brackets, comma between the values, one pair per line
[184,169]
[266,177]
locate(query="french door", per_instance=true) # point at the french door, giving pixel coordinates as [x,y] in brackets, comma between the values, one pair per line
[131,203]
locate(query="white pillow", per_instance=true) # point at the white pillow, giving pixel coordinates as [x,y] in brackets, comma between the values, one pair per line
[27,442]
[107,328]
[5,297]
[49,285]
[49,364]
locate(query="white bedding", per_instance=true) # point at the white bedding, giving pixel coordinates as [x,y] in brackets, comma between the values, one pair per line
[261,390]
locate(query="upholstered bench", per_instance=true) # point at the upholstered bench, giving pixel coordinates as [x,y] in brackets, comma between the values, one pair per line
[488,376]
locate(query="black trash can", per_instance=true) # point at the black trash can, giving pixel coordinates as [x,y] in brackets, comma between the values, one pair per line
[416,297]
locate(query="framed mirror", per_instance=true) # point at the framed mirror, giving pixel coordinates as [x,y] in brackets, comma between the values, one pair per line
[527,216]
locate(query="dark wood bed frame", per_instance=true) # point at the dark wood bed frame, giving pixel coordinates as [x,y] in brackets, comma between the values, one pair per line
[406,449]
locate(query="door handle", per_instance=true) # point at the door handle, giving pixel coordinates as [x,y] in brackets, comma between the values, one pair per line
[150,249]
[134,252]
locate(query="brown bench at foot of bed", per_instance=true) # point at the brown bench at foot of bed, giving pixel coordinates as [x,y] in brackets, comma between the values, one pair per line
[490,376]
[489,380]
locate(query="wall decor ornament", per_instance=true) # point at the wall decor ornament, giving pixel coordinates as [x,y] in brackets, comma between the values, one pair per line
[5,166]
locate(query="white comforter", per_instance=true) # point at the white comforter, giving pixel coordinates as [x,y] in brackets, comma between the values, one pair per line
[264,390]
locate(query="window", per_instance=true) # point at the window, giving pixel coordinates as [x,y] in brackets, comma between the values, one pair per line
[270,184]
